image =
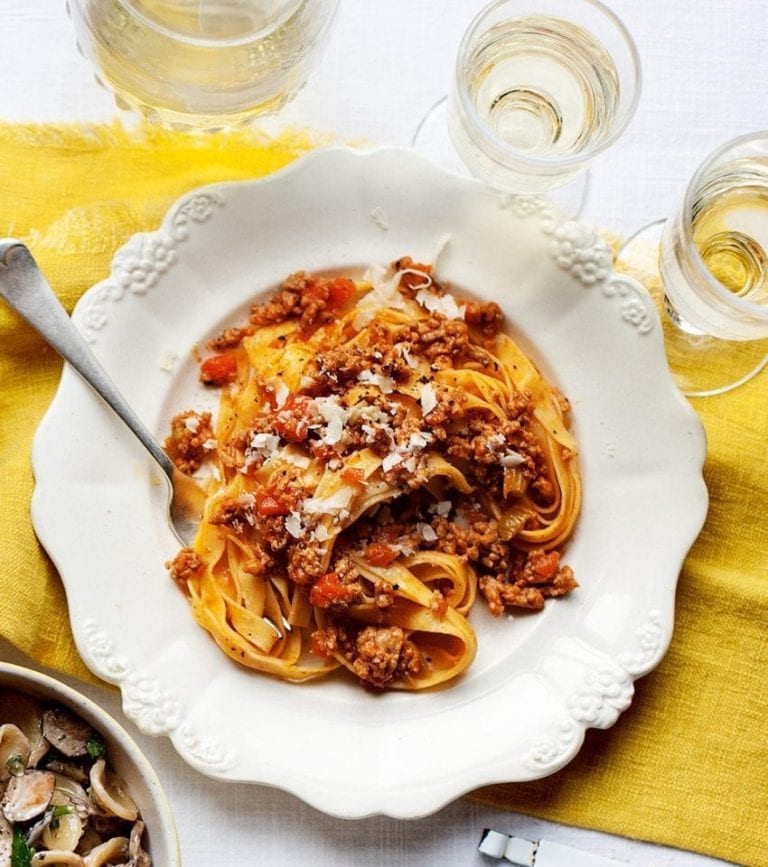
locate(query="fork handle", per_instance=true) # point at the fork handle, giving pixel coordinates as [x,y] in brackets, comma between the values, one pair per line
[26,290]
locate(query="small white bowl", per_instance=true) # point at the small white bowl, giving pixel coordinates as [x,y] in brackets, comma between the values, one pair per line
[160,837]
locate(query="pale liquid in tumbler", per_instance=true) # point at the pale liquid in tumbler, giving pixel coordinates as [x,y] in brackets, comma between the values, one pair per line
[542,85]
[205,64]
[730,227]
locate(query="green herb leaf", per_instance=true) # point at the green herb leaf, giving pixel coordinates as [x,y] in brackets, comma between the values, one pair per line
[15,765]
[21,854]
[57,811]
[95,746]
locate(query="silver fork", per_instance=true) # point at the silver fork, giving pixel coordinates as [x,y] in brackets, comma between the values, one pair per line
[26,290]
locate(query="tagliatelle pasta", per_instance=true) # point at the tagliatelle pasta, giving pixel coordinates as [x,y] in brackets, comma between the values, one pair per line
[382,456]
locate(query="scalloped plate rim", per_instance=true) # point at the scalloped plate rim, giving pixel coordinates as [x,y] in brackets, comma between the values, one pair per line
[316,795]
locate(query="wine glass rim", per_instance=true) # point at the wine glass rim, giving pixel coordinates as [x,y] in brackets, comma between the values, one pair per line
[556,160]
[743,304]
[208,41]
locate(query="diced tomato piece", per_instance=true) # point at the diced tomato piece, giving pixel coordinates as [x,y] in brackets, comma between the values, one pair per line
[327,591]
[218,369]
[323,451]
[295,430]
[547,564]
[353,475]
[267,504]
[291,421]
[380,554]
[340,290]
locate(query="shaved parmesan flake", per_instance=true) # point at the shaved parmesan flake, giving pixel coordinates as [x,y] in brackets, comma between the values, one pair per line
[328,505]
[385,293]
[293,525]
[380,218]
[292,457]
[444,304]
[427,533]
[264,442]
[320,534]
[512,459]
[391,461]
[168,360]
[210,444]
[384,383]
[407,357]
[419,440]
[334,415]
[192,424]
[443,507]
[495,442]
[281,394]
[428,399]
[461,522]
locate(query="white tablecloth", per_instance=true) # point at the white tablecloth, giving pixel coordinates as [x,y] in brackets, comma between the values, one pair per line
[705,67]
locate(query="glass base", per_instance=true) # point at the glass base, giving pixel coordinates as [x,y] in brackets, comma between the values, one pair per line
[701,365]
[433,140]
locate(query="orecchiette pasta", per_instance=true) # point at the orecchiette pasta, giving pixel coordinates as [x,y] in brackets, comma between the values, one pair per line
[61,804]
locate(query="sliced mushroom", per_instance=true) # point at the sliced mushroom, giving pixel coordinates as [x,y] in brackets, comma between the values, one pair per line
[6,841]
[57,858]
[108,853]
[72,793]
[27,714]
[108,792]
[139,858]
[27,796]
[67,732]
[14,751]
[68,769]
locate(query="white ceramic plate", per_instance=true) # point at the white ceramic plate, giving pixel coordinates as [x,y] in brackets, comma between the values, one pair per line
[538,682]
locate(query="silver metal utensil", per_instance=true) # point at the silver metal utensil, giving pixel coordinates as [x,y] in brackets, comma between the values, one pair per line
[26,290]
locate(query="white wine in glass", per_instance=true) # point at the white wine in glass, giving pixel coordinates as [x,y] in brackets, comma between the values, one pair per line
[540,88]
[203,64]
[711,277]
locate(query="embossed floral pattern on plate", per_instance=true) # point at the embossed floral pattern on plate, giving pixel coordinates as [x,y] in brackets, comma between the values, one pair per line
[96,512]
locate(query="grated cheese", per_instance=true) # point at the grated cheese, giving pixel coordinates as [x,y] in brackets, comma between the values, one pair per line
[428,399]
[384,383]
[335,417]
[281,394]
[512,459]
[294,526]
[444,304]
[427,533]
[168,360]
[380,218]
[328,505]
[390,461]
[385,293]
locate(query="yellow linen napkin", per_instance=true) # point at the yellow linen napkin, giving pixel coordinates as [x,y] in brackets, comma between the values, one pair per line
[74,195]
[686,765]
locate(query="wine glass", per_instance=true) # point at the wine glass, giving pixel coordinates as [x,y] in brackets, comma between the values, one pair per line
[707,270]
[203,64]
[540,88]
